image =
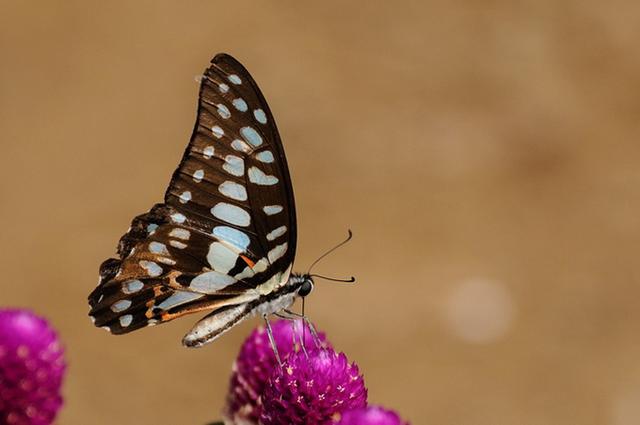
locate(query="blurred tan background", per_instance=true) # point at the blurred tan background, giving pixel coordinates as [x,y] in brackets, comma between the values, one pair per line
[485,153]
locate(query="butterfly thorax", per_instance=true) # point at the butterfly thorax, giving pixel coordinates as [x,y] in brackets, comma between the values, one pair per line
[223,319]
[298,285]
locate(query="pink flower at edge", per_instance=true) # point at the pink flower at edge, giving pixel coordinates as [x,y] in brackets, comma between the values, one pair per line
[31,369]
[372,415]
[256,362]
[312,390]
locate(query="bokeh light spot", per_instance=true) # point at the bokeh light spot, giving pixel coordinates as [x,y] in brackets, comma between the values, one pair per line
[479,311]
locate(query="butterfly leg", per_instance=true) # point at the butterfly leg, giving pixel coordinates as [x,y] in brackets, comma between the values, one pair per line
[293,327]
[314,334]
[293,321]
[271,339]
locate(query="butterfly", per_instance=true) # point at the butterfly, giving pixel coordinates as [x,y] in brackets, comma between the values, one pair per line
[224,239]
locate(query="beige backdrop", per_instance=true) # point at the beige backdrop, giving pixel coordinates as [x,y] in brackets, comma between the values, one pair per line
[485,153]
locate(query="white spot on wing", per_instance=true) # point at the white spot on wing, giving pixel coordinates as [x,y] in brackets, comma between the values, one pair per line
[277,252]
[221,258]
[265,156]
[211,282]
[258,176]
[272,209]
[178,218]
[234,79]
[132,286]
[168,261]
[152,268]
[151,227]
[126,320]
[216,129]
[185,197]
[247,272]
[158,248]
[198,175]
[208,152]
[223,111]
[231,214]
[234,237]
[251,135]
[276,233]
[233,165]
[180,233]
[121,305]
[240,146]
[233,190]
[180,297]
[240,104]
[260,116]
[178,244]
[260,266]
[223,88]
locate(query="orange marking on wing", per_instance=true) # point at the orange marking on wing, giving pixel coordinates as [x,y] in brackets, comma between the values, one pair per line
[248,261]
[166,316]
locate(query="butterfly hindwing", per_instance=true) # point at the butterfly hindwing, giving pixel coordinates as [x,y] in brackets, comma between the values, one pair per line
[228,222]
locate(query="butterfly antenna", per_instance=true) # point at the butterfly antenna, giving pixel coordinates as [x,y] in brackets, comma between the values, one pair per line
[335,279]
[330,251]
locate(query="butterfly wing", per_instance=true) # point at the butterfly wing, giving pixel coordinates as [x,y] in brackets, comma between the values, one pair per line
[226,232]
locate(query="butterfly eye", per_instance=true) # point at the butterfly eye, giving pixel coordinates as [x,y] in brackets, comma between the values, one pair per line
[305,288]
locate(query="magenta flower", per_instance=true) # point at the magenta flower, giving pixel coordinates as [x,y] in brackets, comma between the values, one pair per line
[255,364]
[372,415]
[31,369]
[312,390]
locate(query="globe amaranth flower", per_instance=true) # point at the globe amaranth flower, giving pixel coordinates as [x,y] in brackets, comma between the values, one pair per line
[312,390]
[372,415]
[256,362]
[31,369]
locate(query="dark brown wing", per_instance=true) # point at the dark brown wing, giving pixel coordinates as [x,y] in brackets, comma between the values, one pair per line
[227,230]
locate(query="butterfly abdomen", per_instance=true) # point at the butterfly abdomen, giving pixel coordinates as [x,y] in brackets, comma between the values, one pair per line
[218,322]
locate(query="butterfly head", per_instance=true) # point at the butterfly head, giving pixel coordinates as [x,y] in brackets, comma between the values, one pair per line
[306,286]
[301,284]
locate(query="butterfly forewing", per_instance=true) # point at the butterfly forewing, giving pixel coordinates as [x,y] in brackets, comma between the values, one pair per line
[228,222]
